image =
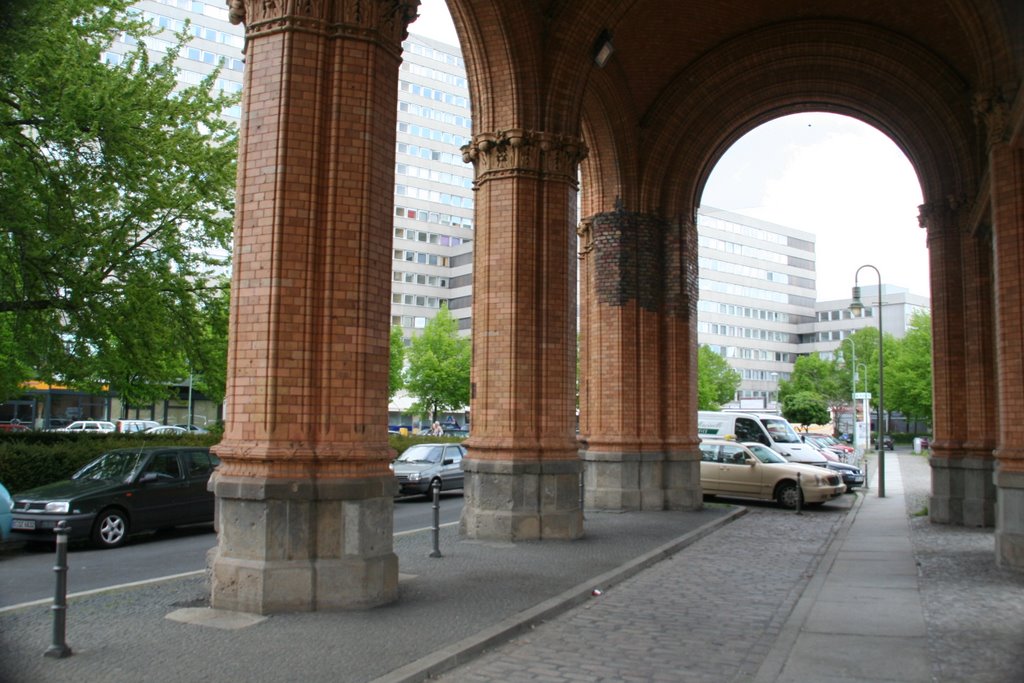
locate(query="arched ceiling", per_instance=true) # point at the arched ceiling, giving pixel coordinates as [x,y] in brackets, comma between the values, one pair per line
[686,79]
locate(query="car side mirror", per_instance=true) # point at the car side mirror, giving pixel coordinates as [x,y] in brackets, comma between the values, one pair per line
[449,461]
[148,477]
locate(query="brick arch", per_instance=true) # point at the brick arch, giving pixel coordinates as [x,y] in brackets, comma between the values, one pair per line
[842,67]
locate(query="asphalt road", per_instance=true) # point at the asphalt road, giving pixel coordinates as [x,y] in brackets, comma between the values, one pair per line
[26,574]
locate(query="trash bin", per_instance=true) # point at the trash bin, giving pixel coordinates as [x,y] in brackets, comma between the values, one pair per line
[917,444]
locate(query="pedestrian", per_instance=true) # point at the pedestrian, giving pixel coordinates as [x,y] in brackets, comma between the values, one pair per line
[436,429]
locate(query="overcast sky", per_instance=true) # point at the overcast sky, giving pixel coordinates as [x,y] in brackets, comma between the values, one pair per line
[829,175]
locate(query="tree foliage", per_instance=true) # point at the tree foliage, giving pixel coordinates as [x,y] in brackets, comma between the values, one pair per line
[717,382]
[397,362]
[806,408]
[439,365]
[117,190]
[813,374]
[908,374]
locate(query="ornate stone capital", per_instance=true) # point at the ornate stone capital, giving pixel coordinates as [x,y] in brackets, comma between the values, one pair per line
[992,111]
[941,216]
[518,151]
[388,18]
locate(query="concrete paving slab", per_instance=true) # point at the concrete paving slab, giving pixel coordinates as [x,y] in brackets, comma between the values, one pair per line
[215,618]
[886,612]
[825,658]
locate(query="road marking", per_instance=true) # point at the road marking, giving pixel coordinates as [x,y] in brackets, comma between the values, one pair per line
[146,582]
[94,591]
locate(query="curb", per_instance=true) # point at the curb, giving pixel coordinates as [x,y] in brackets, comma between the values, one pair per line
[469,648]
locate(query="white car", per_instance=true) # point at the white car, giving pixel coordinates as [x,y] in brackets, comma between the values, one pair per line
[752,470]
[91,426]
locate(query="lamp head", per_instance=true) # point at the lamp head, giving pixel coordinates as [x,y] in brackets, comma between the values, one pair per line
[856,306]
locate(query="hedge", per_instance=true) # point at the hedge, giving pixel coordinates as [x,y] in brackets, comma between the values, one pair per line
[30,459]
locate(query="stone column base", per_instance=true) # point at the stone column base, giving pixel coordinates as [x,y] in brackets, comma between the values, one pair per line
[623,481]
[521,501]
[1010,520]
[303,545]
[963,492]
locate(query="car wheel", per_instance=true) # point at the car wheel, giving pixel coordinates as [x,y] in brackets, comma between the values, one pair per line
[110,529]
[787,495]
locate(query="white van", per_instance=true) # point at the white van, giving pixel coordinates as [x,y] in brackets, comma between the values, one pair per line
[771,430]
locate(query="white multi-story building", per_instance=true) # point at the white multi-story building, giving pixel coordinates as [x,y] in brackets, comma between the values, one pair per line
[757,287]
[433,222]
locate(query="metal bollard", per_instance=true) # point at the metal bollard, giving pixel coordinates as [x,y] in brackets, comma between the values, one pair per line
[582,491]
[867,479]
[436,529]
[799,495]
[59,649]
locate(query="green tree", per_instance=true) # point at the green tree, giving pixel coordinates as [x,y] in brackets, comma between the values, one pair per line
[117,190]
[717,382]
[813,374]
[439,365]
[395,381]
[806,408]
[908,372]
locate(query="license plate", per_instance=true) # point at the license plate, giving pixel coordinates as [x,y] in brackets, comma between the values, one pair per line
[25,524]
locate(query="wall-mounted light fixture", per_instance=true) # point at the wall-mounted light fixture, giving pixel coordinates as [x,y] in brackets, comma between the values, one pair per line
[603,49]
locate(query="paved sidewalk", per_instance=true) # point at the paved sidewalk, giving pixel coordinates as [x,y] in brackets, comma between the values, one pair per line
[858,590]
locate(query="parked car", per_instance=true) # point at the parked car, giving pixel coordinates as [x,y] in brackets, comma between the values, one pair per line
[888,443]
[122,492]
[166,429]
[90,426]
[752,470]
[852,476]
[193,428]
[135,426]
[13,427]
[421,468]
[5,513]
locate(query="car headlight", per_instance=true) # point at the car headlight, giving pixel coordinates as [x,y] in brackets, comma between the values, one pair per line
[415,476]
[58,506]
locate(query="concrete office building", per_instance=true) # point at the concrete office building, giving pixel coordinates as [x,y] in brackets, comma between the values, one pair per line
[757,285]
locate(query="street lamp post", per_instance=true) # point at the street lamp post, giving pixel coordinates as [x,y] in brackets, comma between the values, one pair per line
[853,395]
[856,306]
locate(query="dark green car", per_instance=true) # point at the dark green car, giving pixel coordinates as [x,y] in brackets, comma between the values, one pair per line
[122,492]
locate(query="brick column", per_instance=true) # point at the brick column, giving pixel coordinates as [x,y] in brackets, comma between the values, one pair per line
[522,472]
[959,472]
[637,330]
[304,493]
[1007,173]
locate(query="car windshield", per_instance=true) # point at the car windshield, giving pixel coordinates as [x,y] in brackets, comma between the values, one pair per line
[780,430]
[765,454]
[117,466]
[422,454]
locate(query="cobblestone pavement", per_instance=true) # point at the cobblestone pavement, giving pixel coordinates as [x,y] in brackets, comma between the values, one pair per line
[708,614]
[714,611]
[974,611]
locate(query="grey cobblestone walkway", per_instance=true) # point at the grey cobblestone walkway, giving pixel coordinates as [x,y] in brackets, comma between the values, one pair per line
[708,614]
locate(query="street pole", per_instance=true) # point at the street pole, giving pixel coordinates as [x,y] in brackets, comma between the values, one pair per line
[857,306]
